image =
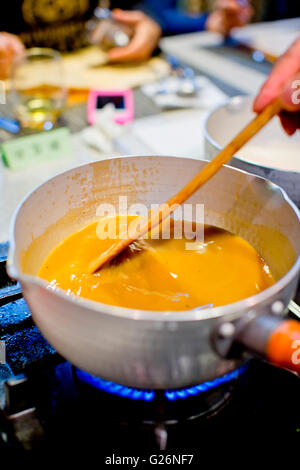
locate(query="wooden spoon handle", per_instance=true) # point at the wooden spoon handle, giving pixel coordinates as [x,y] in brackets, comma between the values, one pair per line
[142,225]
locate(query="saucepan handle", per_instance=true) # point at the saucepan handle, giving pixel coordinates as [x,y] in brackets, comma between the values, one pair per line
[283,346]
[275,339]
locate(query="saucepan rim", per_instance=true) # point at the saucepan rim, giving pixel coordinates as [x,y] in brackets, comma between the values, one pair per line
[151,315]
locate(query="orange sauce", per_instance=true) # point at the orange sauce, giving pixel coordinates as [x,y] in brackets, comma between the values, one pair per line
[163,275]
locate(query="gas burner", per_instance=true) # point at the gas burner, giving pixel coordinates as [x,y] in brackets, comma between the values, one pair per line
[158,410]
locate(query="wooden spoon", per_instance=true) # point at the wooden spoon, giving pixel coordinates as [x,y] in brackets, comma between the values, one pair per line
[142,225]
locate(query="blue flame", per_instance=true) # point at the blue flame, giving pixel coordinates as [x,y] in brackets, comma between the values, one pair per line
[204,387]
[115,389]
[148,395]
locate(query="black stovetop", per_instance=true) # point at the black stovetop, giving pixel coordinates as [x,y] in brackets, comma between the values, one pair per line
[44,407]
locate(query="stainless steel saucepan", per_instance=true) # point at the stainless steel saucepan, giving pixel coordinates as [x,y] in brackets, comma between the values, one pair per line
[149,349]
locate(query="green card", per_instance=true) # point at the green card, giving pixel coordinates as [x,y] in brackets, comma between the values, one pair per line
[30,150]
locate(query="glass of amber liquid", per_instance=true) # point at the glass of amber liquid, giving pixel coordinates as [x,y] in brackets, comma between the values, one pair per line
[38,92]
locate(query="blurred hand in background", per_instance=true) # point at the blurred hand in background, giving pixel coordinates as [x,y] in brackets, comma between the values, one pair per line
[10,47]
[229,14]
[284,81]
[146,34]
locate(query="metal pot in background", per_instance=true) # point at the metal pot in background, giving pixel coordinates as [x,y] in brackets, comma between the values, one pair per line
[227,120]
